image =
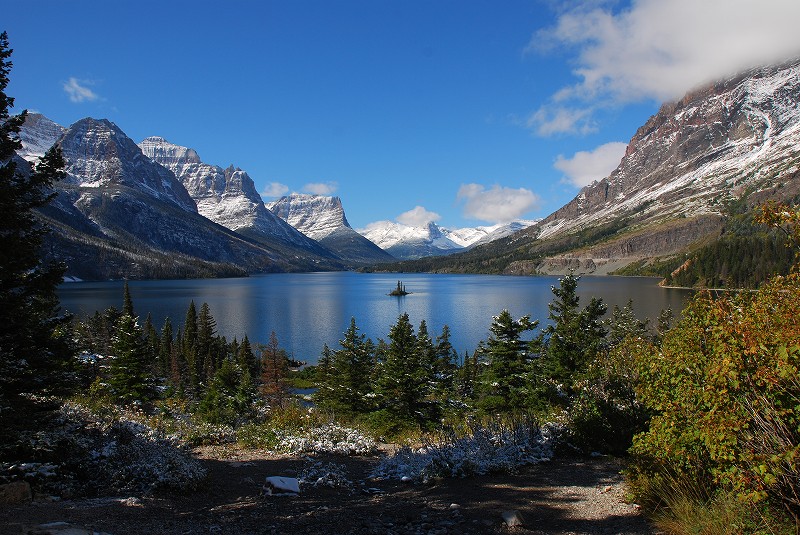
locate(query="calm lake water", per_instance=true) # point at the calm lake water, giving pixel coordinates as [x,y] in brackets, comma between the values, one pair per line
[307,310]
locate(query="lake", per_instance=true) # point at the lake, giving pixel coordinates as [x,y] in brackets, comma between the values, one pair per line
[307,310]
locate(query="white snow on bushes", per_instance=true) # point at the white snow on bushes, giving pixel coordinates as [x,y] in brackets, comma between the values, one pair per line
[486,449]
[328,438]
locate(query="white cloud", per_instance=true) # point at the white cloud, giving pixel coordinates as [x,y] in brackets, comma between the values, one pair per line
[78,90]
[321,188]
[560,120]
[275,189]
[587,166]
[497,204]
[660,49]
[417,217]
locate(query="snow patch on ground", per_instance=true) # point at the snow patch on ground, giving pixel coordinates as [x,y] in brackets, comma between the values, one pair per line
[485,450]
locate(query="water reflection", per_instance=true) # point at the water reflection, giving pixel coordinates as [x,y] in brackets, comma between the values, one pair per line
[311,309]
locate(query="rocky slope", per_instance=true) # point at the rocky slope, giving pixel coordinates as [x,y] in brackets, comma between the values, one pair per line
[119,214]
[322,218]
[734,140]
[226,196]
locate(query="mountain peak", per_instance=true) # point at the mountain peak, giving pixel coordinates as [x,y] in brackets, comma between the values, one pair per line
[316,216]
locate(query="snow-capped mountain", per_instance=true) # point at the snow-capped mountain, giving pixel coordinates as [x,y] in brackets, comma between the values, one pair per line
[733,137]
[119,214]
[733,140]
[408,242]
[322,218]
[225,196]
[100,155]
[39,134]
[474,236]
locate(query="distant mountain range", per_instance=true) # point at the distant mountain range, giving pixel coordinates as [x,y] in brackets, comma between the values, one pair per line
[735,142]
[406,242]
[155,210]
[322,218]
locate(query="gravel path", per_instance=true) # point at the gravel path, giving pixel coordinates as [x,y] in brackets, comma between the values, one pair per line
[565,496]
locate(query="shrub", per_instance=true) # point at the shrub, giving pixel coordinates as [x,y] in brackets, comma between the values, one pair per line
[724,390]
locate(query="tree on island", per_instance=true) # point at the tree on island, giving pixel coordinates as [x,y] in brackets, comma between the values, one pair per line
[399,290]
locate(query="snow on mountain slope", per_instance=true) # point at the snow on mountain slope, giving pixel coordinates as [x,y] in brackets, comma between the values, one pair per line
[38,135]
[225,196]
[316,216]
[407,242]
[99,154]
[323,219]
[738,136]
[472,236]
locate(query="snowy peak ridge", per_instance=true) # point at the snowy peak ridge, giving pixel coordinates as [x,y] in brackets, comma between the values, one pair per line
[99,154]
[225,196]
[168,154]
[38,134]
[316,216]
[407,242]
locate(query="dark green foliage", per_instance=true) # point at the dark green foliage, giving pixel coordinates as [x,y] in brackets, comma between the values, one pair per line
[505,380]
[35,350]
[130,375]
[344,385]
[230,395]
[400,386]
[575,336]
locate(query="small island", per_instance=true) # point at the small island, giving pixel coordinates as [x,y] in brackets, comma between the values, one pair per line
[400,290]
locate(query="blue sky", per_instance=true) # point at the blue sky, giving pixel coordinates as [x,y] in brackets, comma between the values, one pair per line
[466,112]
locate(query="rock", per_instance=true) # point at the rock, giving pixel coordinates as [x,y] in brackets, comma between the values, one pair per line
[16,492]
[281,486]
[512,518]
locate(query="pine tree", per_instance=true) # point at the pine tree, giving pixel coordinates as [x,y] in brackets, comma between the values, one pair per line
[130,378]
[35,350]
[274,370]
[505,381]
[574,337]
[165,348]
[207,348]
[247,358]
[347,388]
[189,350]
[400,387]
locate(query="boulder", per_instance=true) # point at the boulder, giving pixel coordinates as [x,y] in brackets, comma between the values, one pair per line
[16,492]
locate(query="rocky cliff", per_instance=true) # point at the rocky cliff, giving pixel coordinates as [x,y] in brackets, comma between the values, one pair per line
[322,218]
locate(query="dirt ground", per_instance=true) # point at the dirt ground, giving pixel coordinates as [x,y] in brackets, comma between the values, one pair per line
[564,496]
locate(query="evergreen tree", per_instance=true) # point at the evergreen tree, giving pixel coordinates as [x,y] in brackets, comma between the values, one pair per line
[35,350]
[347,388]
[574,337]
[165,348]
[229,395]
[152,343]
[130,377]
[274,370]
[505,380]
[247,358]
[127,302]
[623,324]
[322,378]
[189,350]
[400,387]
[207,348]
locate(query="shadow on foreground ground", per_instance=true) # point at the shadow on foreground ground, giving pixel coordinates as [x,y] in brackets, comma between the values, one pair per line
[560,497]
